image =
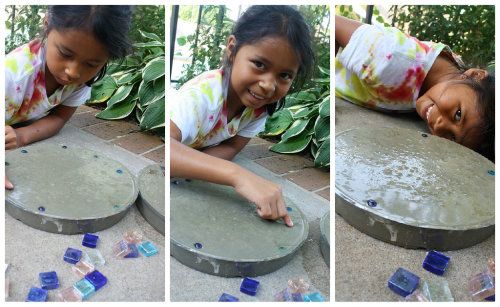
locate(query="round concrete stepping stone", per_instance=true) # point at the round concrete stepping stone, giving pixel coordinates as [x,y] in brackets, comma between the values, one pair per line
[216,231]
[151,200]
[324,242]
[413,189]
[66,189]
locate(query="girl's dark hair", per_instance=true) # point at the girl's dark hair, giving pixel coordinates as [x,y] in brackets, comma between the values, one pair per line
[261,21]
[109,24]
[485,97]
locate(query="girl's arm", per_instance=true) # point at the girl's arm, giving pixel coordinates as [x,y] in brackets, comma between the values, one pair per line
[187,162]
[228,149]
[45,127]
[344,27]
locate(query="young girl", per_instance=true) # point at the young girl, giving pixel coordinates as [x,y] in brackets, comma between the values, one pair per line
[214,115]
[48,78]
[385,69]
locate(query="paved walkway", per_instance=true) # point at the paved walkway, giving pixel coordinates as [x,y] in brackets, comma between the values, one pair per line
[121,133]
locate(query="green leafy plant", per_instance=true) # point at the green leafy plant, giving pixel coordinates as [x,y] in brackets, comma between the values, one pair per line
[137,83]
[207,44]
[469,30]
[23,23]
[304,122]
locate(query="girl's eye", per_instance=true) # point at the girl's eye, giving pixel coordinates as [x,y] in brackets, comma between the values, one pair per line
[64,55]
[286,76]
[258,64]
[91,65]
[458,115]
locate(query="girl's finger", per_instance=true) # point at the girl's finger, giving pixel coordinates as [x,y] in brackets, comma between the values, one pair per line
[288,221]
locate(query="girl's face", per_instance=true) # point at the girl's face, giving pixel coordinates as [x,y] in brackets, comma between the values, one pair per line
[450,111]
[262,72]
[74,56]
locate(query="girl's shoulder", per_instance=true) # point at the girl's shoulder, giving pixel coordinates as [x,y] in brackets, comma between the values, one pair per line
[208,85]
[25,60]
[209,77]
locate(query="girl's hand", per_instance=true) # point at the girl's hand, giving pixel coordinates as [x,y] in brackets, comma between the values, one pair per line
[186,162]
[11,141]
[8,184]
[265,194]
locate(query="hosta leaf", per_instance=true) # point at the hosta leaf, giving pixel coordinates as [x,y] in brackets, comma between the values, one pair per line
[154,116]
[278,123]
[103,90]
[154,69]
[295,129]
[128,78]
[322,128]
[150,92]
[299,98]
[323,154]
[324,107]
[314,148]
[310,112]
[118,110]
[292,145]
[121,93]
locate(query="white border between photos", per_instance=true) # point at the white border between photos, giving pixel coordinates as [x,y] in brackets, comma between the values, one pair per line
[167,154]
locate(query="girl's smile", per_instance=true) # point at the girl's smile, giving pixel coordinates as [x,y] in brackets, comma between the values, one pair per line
[451,112]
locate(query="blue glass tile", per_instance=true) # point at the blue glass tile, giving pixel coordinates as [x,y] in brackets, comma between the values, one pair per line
[85,288]
[286,295]
[134,252]
[97,279]
[49,280]
[37,295]
[403,282]
[90,240]
[228,298]
[297,297]
[147,249]
[249,286]
[72,255]
[313,297]
[435,262]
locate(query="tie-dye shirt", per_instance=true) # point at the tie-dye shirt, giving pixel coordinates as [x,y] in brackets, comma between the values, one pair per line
[199,109]
[25,95]
[384,69]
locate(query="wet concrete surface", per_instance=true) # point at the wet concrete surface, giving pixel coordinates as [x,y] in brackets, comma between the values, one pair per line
[97,192]
[215,230]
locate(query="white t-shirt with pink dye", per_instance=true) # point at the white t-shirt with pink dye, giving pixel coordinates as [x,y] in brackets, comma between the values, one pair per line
[383,68]
[199,110]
